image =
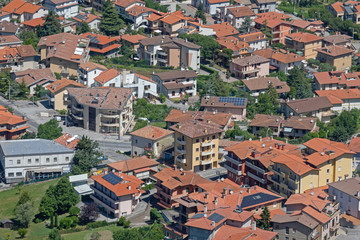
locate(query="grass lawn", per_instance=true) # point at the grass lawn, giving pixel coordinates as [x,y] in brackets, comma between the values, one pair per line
[106,233]
[159,124]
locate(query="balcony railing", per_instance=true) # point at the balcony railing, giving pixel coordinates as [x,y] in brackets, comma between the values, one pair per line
[78,108]
[180,141]
[257,178]
[230,159]
[206,144]
[237,172]
[181,160]
[205,153]
[180,150]
[256,168]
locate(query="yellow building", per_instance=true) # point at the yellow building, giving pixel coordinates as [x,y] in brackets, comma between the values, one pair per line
[337,56]
[197,144]
[306,43]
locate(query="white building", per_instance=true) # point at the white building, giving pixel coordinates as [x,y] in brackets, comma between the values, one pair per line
[65,8]
[87,72]
[210,6]
[33,159]
[92,20]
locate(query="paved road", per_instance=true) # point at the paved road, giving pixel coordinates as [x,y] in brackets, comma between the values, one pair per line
[179,106]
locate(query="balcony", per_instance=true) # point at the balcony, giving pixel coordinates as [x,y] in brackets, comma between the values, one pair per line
[205,162]
[180,141]
[162,53]
[77,117]
[206,144]
[273,179]
[78,108]
[335,227]
[256,168]
[162,60]
[205,153]
[253,176]
[110,124]
[115,115]
[236,162]
[236,172]
[180,150]
[295,181]
[181,160]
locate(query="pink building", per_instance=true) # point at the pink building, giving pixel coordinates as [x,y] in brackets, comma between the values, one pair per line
[250,67]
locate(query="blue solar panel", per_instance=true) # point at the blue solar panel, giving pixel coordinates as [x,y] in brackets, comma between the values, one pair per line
[236,101]
[200,215]
[112,178]
[216,217]
[256,199]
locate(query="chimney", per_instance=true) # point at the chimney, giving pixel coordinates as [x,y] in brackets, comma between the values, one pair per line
[282,146]
[129,187]
[260,138]
[206,195]
[225,190]
[231,191]
[253,226]
[213,223]
[205,208]
[215,200]
[249,190]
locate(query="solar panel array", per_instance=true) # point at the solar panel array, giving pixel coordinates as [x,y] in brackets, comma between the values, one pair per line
[256,199]
[216,217]
[93,39]
[200,215]
[235,100]
[112,178]
[81,17]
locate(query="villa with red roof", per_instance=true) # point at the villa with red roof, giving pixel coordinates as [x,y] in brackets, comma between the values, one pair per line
[92,20]
[103,45]
[132,41]
[342,99]
[12,126]
[33,23]
[304,43]
[24,11]
[235,15]
[336,80]
[68,141]
[18,58]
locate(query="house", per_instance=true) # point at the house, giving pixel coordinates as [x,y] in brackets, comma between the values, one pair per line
[64,52]
[239,48]
[319,107]
[347,193]
[256,40]
[135,13]
[338,40]
[196,145]
[173,183]
[304,43]
[210,6]
[88,71]
[257,86]
[92,20]
[263,122]
[10,40]
[143,168]
[68,141]
[336,80]
[57,97]
[235,15]
[18,58]
[342,99]
[176,84]
[5,16]
[164,51]
[32,24]
[12,126]
[265,6]
[299,25]
[250,67]
[224,29]
[34,77]
[281,61]
[64,8]
[151,139]
[104,110]
[102,45]
[337,56]
[345,11]
[354,146]
[24,11]
[9,28]
[132,41]
[170,23]
[235,106]
[33,159]
[277,23]
[117,193]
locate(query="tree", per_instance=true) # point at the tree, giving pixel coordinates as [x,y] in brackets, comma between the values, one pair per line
[89,212]
[200,13]
[325,67]
[155,5]
[24,90]
[264,222]
[5,79]
[56,220]
[24,198]
[48,204]
[266,132]
[87,155]
[155,215]
[40,91]
[22,232]
[111,23]
[246,25]
[51,25]
[28,135]
[49,130]
[85,28]
[122,220]
[29,38]
[268,102]
[301,86]
[54,235]
[208,44]
[24,213]
[266,31]
[74,211]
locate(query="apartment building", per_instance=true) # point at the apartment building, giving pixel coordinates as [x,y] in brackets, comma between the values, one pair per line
[33,159]
[132,41]
[336,80]
[235,15]
[64,52]
[104,110]
[170,23]
[196,145]
[152,140]
[103,45]
[34,77]
[299,25]
[210,6]
[257,86]
[250,67]
[23,11]
[305,44]
[235,106]
[9,28]
[345,11]
[164,51]
[12,126]
[64,8]
[342,99]
[92,20]
[18,58]
[256,40]
[338,40]
[239,48]
[337,56]
[87,72]
[176,84]
[58,93]
[117,193]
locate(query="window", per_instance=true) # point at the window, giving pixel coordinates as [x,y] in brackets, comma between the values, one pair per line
[311,185]
[67,159]
[339,169]
[29,161]
[187,190]
[327,171]
[135,140]
[47,160]
[294,230]
[213,146]
[18,161]
[208,138]
[213,154]
[197,140]
[287,230]
[197,149]
[213,137]
[36,160]
[11,174]
[197,158]
[11,162]
[257,209]
[327,180]
[274,205]
[19,174]
[55,159]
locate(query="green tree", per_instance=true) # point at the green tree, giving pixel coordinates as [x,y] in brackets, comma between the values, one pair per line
[40,91]
[24,90]
[54,235]
[5,79]
[325,67]
[111,23]
[264,222]
[49,130]
[95,236]
[155,5]
[56,220]
[122,220]
[246,26]
[84,28]
[48,204]
[65,195]
[86,156]
[74,211]
[29,38]
[208,44]
[200,13]
[301,86]
[155,215]
[51,25]
[24,198]
[266,31]
[22,232]
[266,132]
[24,213]
[268,102]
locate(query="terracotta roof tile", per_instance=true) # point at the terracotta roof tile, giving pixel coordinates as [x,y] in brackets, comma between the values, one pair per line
[304,37]
[303,219]
[68,141]
[194,128]
[133,164]
[241,11]
[137,10]
[107,75]
[317,215]
[151,132]
[309,104]
[223,29]
[262,83]
[335,51]
[33,76]
[100,39]
[8,27]
[337,39]
[59,85]
[10,119]
[349,80]
[354,144]
[134,39]
[338,7]
[233,43]
[86,17]
[126,3]
[254,59]
[225,103]
[252,37]
[89,66]
[337,96]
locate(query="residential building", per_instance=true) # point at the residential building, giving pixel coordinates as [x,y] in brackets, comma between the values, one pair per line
[176,84]
[281,61]
[64,8]
[33,159]
[9,28]
[104,110]
[235,15]
[10,40]
[336,80]
[338,40]
[250,67]
[92,20]
[24,11]
[239,48]
[87,72]
[143,168]
[337,56]
[256,40]
[5,16]
[345,11]
[347,193]
[265,6]
[117,193]
[132,41]
[57,97]
[223,119]
[18,58]
[196,145]
[152,140]
[64,52]
[277,23]
[12,126]
[210,6]
[342,99]
[224,29]
[319,107]
[305,44]
[235,106]
[32,24]
[256,86]
[135,12]
[354,146]
[34,77]
[299,25]
[164,51]
[103,45]
[68,141]
[170,23]
[174,183]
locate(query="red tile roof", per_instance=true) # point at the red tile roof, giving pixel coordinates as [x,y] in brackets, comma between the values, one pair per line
[241,11]
[252,37]
[10,119]
[107,75]
[349,80]
[304,37]
[100,39]
[223,29]
[354,144]
[337,96]
[20,6]
[338,7]
[134,39]
[68,141]
[86,17]
[133,164]
[89,66]
[151,132]
[59,85]
[126,3]
[137,10]
[335,51]
[194,128]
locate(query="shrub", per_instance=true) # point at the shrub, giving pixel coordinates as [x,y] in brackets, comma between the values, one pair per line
[54,235]
[65,223]
[22,232]
[122,221]
[96,224]
[74,211]
[95,236]
[75,221]
[127,224]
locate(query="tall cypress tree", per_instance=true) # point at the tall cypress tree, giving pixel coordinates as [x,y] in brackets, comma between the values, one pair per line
[111,22]
[264,222]
[51,26]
